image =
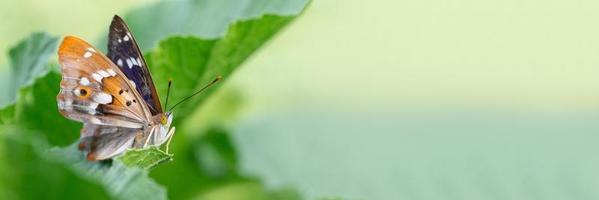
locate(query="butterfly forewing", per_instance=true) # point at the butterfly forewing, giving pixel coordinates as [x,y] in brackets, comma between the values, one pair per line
[124,52]
[95,91]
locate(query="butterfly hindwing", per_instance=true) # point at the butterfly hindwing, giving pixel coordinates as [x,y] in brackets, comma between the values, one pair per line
[95,91]
[102,142]
[124,52]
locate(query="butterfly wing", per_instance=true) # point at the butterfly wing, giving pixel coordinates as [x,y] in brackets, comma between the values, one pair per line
[103,142]
[123,50]
[94,91]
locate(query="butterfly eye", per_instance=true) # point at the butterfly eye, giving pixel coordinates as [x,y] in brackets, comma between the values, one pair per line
[163,120]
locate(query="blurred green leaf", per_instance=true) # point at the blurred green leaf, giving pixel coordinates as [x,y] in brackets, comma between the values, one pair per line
[28,173]
[209,165]
[208,162]
[37,88]
[248,190]
[221,109]
[203,18]
[190,180]
[29,60]
[193,62]
[37,103]
[145,158]
[215,154]
[120,180]
[7,114]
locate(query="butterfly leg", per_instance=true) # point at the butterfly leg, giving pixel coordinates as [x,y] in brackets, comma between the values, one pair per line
[170,137]
[149,137]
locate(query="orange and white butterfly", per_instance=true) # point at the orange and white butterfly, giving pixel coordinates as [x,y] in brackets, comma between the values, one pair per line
[115,99]
[113,96]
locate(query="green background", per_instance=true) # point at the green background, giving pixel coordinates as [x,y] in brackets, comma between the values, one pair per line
[413,99]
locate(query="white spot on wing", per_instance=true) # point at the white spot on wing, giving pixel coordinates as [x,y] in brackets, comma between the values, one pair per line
[103,73]
[139,62]
[61,105]
[111,72]
[97,77]
[132,83]
[92,108]
[102,98]
[66,105]
[87,54]
[129,63]
[119,62]
[95,120]
[91,49]
[120,40]
[133,61]
[126,38]
[84,81]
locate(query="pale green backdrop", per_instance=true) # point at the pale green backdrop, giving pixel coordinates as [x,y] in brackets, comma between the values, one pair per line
[424,99]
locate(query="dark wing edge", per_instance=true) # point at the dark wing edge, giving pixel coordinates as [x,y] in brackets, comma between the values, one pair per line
[125,53]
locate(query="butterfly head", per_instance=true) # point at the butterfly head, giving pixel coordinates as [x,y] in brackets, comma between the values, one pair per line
[164,127]
[166,119]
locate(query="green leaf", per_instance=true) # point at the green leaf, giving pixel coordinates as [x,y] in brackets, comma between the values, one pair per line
[215,154]
[29,60]
[37,103]
[248,190]
[210,166]
[145,158]
[28,173]
[7,114]
[204,18]
[120,180]
[37,88]
[186,164]
[194,62]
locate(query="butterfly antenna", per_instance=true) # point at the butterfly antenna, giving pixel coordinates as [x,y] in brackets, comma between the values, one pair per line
[168,92]
[198,92]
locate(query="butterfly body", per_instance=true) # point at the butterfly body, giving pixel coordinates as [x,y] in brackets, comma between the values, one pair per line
[118,105]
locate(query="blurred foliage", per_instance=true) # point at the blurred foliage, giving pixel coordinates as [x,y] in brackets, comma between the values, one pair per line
[28,60]
[36,109]
[36,87]
[42,143]
[28,172]
[215,154]
[209,164]
[120,180]
[196,62]
[208,19]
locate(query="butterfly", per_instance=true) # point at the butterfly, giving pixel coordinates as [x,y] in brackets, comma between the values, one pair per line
[113,95]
